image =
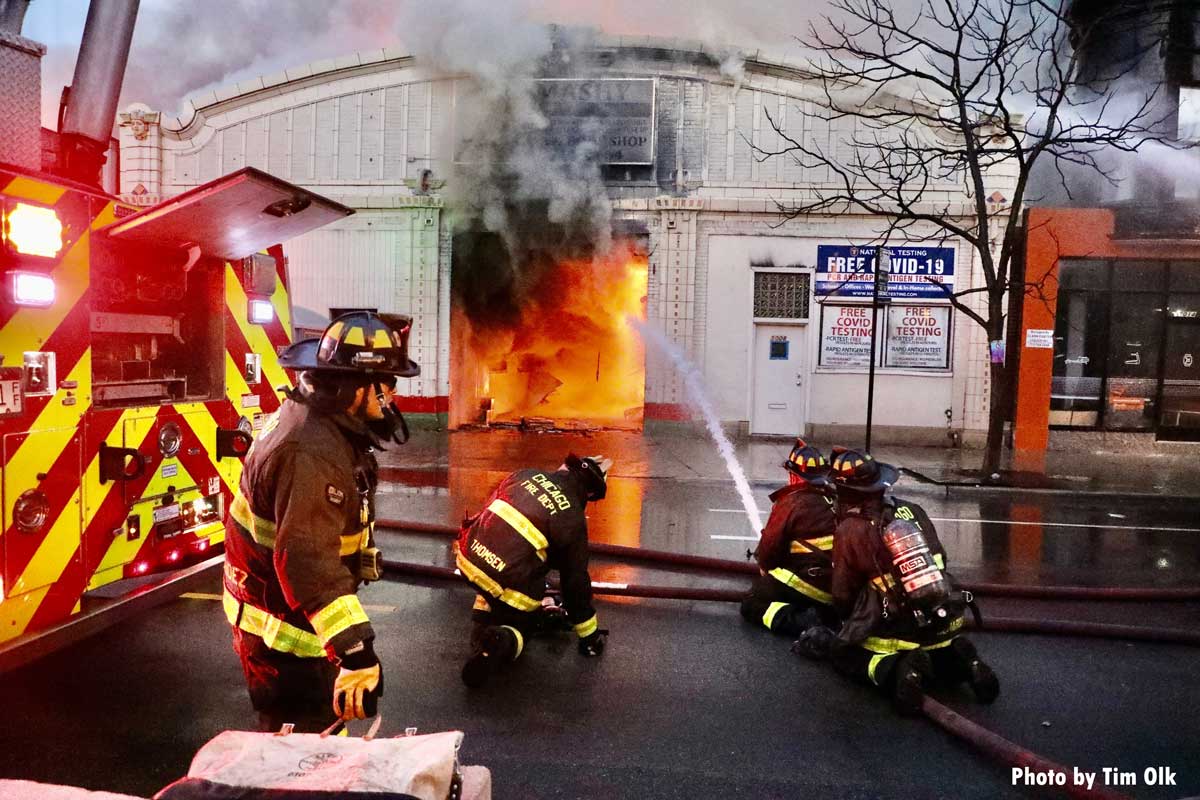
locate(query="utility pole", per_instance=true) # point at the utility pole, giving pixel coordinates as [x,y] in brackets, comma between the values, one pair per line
[879,287]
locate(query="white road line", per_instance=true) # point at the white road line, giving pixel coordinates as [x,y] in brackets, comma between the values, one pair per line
[719,537]
[995,522]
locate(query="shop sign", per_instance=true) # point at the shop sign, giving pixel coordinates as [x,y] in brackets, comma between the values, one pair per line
[845,336]
[1039,339]
[913,273]
[614,114]
[918,337]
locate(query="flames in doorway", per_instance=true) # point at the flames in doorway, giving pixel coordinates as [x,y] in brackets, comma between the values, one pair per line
[567,356]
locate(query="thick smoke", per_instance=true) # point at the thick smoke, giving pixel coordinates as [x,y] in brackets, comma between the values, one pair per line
[521,200]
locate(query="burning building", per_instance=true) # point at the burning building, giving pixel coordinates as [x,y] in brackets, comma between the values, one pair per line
[538,207]
[1113,345]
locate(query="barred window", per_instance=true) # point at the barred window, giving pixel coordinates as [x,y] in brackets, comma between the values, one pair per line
[781,295]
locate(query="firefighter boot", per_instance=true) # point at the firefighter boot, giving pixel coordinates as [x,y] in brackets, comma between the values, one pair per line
[983,680]
[914,671]
[787,619]
[815,643]
[494,648]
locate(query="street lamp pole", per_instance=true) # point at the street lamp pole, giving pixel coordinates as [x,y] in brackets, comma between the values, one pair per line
[883,265]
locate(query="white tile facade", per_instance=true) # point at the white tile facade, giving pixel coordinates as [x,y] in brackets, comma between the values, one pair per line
[361,130]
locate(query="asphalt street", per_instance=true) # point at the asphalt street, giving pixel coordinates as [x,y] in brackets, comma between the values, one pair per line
[688,701]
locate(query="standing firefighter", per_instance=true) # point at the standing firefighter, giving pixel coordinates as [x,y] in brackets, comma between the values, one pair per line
[793,591]
[533,522]
[902,612]
[298,535]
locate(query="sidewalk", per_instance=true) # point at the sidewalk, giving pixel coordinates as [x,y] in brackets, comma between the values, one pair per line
[683,453]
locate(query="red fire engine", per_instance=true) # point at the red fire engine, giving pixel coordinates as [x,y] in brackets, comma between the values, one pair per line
[138,350]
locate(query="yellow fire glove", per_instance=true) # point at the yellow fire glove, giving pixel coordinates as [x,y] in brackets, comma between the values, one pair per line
[359,683]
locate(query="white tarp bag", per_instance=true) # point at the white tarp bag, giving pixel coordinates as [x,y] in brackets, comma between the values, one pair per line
[424,767]
[31,790]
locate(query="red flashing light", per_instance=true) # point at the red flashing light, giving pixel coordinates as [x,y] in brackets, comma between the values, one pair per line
[34,230]
[173,556]
[260,312]
[31,289]
[202,545]
[141,567]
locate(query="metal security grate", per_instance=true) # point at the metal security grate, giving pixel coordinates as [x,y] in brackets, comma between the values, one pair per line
[781,295]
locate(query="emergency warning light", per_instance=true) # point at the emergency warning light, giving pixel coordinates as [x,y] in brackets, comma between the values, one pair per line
[33,230]
[31,288]
[260,312]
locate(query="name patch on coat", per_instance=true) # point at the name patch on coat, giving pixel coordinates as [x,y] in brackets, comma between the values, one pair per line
[334,495]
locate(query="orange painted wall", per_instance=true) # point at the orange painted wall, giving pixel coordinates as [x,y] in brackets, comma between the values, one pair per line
[1053,234]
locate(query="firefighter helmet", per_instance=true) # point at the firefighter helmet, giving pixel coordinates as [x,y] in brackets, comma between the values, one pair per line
[806,461]
[361,342]
[859,472]
[592,471]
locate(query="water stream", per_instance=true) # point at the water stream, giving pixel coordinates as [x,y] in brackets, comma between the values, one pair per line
[694,384]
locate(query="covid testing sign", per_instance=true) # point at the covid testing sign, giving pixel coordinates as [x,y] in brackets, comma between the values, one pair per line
[916,272]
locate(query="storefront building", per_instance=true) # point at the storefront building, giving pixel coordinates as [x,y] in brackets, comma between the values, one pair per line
[775,313]
[1110,332]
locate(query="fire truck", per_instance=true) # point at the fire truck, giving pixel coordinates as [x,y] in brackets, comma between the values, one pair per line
[138,347]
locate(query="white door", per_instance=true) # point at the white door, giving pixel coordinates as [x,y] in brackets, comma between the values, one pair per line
[779,376]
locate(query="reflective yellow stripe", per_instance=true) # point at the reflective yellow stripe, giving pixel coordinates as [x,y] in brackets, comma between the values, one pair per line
[261,530]
[939,645]
[520,640]
[937,559]
[276,634]
[792,580]
[587,627]
[772,610]
[875,660]
[888,646]
[343,613]
[482,581]
[808,545]
[521,524]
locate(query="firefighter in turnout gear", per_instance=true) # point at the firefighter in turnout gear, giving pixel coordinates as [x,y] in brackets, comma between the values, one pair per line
[792,593]
[902,614]
[532,523]
[299,531]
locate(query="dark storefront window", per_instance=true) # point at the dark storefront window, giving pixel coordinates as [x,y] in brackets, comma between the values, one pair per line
[1127,347]
[1181,368]
[1080,344]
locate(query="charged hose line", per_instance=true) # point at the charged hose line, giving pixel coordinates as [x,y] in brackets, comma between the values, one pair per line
[1097,630]
[1166,594]
[1004,751]
[983,739]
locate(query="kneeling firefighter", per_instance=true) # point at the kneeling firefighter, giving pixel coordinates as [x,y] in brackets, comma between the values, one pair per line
[901,608]
[532,523]
[792,591]
[298,536]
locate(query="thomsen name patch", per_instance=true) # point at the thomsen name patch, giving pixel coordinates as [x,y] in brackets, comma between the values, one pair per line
[334,495]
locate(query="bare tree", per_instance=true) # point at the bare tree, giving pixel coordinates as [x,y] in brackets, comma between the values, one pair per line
[938,107]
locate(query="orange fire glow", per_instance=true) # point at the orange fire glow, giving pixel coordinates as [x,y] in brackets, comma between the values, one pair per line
[574,358]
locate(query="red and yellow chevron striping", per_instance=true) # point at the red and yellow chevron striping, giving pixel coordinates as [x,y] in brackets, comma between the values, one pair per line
[69,526]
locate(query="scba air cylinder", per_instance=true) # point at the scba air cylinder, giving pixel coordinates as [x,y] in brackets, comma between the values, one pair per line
[913,564]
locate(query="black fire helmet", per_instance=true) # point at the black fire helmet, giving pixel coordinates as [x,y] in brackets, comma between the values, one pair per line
[362,342]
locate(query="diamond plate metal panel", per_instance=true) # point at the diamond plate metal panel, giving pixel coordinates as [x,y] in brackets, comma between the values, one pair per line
[21,101]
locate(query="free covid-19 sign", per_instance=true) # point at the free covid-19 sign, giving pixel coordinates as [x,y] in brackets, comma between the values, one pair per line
[915,272]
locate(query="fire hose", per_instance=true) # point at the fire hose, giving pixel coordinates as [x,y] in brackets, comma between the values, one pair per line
[987,741]
[1097,630]
[982,589]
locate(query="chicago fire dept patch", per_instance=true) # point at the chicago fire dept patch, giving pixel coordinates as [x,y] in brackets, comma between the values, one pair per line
[334,495]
